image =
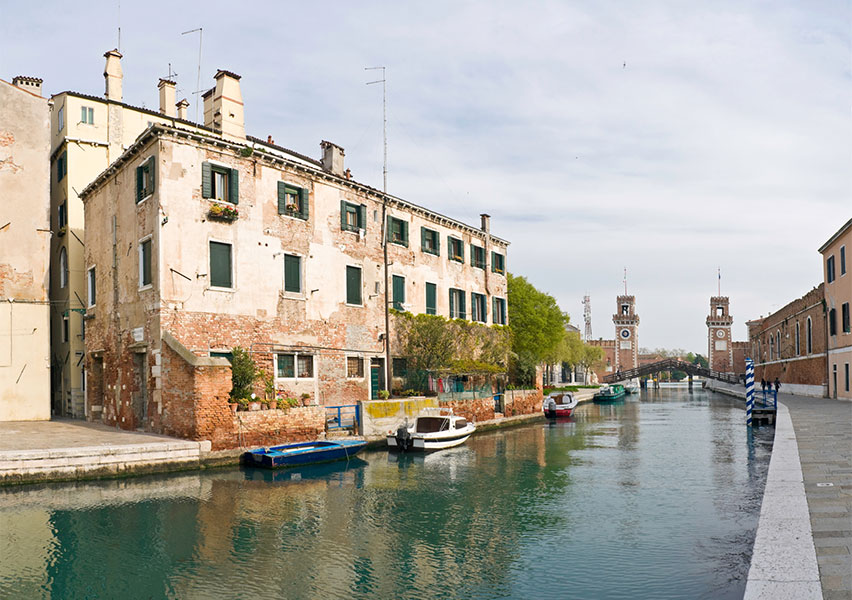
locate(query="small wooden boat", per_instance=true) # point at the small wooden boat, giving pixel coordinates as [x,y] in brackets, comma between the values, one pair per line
[435,429]
[632,387]
[559,404]
[610,393]
[304,453]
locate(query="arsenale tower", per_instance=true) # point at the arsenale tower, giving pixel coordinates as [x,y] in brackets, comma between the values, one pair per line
[626,333]
[719,343]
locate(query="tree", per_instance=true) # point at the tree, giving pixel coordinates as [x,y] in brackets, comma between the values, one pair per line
[243,374]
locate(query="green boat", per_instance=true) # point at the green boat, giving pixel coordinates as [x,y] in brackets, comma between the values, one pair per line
[610,393]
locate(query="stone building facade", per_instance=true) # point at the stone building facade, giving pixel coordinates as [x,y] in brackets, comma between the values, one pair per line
[837,284]
[198,242]
[790,344]
[622,353]
[24,244]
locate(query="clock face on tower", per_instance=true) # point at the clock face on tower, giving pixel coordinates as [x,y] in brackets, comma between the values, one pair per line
[625,334]
[720,333]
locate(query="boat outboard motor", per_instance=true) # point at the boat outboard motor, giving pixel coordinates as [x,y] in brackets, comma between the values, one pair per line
[403,437]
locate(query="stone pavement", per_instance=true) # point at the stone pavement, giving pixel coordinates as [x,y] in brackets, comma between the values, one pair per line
[824,433]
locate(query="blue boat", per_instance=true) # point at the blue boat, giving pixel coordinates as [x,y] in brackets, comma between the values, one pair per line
[303,453]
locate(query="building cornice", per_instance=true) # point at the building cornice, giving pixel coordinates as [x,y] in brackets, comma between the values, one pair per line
[833,238]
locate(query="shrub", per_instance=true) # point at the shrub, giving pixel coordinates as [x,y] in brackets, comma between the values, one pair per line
[384,394]
[243,374]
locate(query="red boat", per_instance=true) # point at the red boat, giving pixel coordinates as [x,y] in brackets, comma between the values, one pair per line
[559,404]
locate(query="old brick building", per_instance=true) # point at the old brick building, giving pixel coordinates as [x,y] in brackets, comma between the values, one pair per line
[197,242]
[838,298]
[723,353]
[622,353]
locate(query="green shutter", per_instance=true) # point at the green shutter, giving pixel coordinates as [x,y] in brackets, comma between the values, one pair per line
[282,197]
[423,239]
[304,208]
[449,247]
[343,215]
[139,190]
[437,237]
[389,230]
[452,304]
[220,265]
[152,170]
[462,312]
[353,285]
[292,273]
[234,184]
[431,299]
[362,216]
[206,180]
[398,292]
[404,233]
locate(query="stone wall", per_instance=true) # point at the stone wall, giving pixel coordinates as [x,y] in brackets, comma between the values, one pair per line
[380,416]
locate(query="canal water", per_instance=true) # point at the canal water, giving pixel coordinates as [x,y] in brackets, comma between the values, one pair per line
[656,498]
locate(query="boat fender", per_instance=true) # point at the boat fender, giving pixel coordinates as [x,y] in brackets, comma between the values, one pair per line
[403,438]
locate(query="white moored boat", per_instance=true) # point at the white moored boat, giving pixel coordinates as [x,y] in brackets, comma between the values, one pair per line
[434,429]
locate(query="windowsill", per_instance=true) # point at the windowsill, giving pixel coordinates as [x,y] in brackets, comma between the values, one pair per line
[457,260]
[214,288]
[398,243]
[143,199]
[147,286]
[479,267]
[294,379]
[357,231]
[354,378]
[293,216]
[292,295]
[430,253]
[354,305]
[499,272]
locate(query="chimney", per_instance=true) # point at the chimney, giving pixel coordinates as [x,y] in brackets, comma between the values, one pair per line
[31,84]
[181,109]
[113,75]
[167,97]
[227,114]
[332,158]
[207,98]
[486,222]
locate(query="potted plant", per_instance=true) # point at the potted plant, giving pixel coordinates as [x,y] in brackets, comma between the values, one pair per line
[233,406]
[306,398]
[254,403]
[384,394]
[243,403]
[282,404]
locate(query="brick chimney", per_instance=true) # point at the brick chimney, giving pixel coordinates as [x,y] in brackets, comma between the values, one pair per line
[31,84]
[486,222]
[181,109]
[113,75]
[207,99]
[225,113]
[332,158]
[167,97]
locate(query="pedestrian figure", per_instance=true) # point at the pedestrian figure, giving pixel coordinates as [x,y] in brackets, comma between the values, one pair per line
[763,385]
[777,385]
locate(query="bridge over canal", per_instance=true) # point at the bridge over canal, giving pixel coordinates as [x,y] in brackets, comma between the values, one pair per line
[672,364]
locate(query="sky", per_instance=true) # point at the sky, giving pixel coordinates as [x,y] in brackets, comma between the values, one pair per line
[673,139]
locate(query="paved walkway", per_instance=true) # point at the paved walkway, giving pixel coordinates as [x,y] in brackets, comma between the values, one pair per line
[67,433]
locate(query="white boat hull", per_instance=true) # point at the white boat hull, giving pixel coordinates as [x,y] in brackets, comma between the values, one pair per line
[435,441]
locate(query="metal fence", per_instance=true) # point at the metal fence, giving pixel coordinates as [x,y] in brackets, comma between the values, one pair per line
[346,416]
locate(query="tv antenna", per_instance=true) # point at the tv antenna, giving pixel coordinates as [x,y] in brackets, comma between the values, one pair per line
[383,81]
[200,31]
[587,317]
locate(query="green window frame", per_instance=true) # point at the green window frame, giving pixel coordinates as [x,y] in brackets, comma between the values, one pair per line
[222,354]
[145,263]
[353,217]
[398,282]
[457,304]
[61,166]
[430,241]
[498,263]
[91,288]
[353,286]
[219,183]
[293,273]
[455,249]
[62,214]
[478,308]
[397,231]
[293,201]
[431,299]
[221,265]
[477,256]
[291,365]
[87,115]
[498,314]
[145,179]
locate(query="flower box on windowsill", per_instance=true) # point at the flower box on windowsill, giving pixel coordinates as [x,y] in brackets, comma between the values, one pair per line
[61,231]
[220,212]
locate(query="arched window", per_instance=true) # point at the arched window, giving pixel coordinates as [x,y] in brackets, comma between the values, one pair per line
[809,337]
[778,342]
[771,347]
[798,348]
[63,268]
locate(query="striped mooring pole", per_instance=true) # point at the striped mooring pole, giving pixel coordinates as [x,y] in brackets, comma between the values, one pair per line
[749,390]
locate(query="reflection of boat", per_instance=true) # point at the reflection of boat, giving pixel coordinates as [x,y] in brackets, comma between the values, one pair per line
[304,453]
[632,387]
[305,472]
[434,429]
[610,393]
[559,404]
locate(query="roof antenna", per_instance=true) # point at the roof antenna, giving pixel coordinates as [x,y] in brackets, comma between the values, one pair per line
[625,281]
[119,25]
[200,31]
[719,273]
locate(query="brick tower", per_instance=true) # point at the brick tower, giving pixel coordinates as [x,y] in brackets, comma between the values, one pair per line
[626,333]
[720,345]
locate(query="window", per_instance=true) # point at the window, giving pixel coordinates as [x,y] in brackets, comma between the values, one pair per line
[477,256]
[456,249]
[844,317]
[625,309]
[292,273]
[220,183]
[478,307]
[91,286]
[832,322]
[430,241]
[145,263]
[228,355]
[221,265]
[61,166]
[87,115]
[145,179]
[397,231]
[352,216]
[829,269]
[353,285]
[62,215]
[457,308]
[798,348]
[354,367]
[771,347]
[292,201]
[499,311]
[809,336]
[60,118]
[63,268]
[65,328]
[400,367]
[294,366]
[398,292]
[778,343]
[846,369]
[842,261]
[498,263]
[431,299]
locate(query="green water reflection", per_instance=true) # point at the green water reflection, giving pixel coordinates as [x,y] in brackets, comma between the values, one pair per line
[657,499]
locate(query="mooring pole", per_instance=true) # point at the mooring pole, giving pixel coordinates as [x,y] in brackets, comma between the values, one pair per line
[749,390]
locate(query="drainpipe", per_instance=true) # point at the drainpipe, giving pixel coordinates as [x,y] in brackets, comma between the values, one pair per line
[388,370]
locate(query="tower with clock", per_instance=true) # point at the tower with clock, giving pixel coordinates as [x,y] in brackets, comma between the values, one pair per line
[719,342]
[626,333]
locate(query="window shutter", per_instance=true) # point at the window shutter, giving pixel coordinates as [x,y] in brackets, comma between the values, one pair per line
[292,273]
[362,216]
[389,229]
[423,239]
[398,292]
[282,191]
[234,184]
[431,297]
[206,181]
[452,304]
[220,265]
[494,314]
[449,247]
[405,233]
[353,285]
[139,190]
[493,266]
[304,208]
[152,174]
[343,214]
[462,312]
